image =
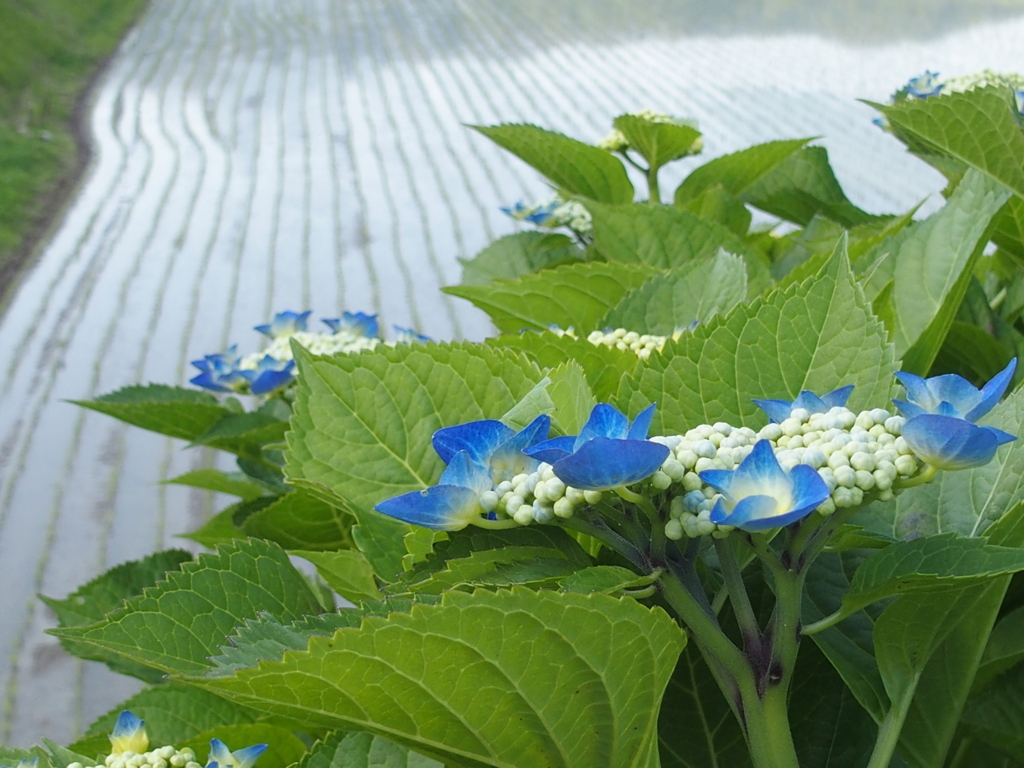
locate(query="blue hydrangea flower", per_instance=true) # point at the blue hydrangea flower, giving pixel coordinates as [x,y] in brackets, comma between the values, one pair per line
[924,86]
[358,323]
[129,735]
[538,214]
[409,336]
[223,757]
[608,453]
[941,412]
[759,494]
[285,324]
[270,375]
[952,395]
[479,455]
[780,410]
[220,372]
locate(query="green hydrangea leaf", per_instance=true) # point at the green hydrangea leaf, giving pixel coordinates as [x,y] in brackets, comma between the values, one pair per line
[299,520]
[347,572]
[801,186]
[363,750]
[581,676]
[717,205]
[173,713]
[12,756]
[997,716]
[739,171]
[1005,649]
[977,127]
[666,237]
[606,579]
[572,165]
[519,254]
[946,560]
[658,143]
[362,425]
[696,291]
[91,602]
[176,625]
[930,264]
[243,433]
[233,483]
[571,396]
[576,295]
[604,366]
[773,347]
[174,411]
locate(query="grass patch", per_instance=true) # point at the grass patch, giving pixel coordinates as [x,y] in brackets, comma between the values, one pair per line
[49,51]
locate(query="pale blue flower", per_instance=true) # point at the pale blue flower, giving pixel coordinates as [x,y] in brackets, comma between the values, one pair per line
[780,410]
[129,735]
[409,336]
[607,453]
[285,324]
[221,756]
[538,213]
[220,372]
[941,412]
[952,395]
[479,455]
[270,375]
[358,323]
[924,86]
[759,494]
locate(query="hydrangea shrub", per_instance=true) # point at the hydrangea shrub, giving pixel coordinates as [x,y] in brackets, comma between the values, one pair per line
[717,493]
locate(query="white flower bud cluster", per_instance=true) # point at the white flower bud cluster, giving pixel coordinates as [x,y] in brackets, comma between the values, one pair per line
[574,215]
[537,497]
[317,343]
[854,454]
[161,757]
[643,344]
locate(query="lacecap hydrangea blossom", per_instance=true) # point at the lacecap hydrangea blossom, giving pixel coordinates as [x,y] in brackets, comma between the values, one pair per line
[815,456]
[273,368]
[552,213]
[129,748]
[930,84]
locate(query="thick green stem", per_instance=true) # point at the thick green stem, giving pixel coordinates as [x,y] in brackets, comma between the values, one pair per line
[654,194]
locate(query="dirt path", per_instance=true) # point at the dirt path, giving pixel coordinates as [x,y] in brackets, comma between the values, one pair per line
[257,156]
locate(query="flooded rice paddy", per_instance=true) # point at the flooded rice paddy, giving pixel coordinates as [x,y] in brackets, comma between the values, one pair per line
[258,155]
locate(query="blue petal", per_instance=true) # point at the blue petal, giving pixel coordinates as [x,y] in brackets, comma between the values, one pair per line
[128,724]
[409,336]
[477,438]
[465,472]
[759,468]
[509,458]
[837,397]
[949,443]
[219,752]
[441,507]
[917,390]
[719,479]
[206,380]
[750,508]
[810,402]
[641,424]
[992,391]
[909,410]
[244,758]
[552,450]
[955,391]
[1001,437]
[605,421]
[268,381]
[808,489]
[777,410]
[604,463]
